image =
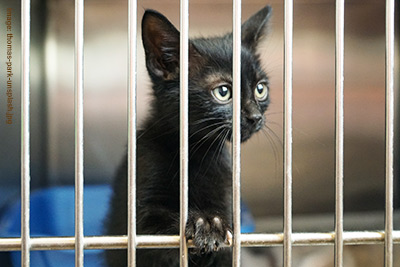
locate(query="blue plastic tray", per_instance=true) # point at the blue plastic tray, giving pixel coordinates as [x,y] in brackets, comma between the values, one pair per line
[52,214]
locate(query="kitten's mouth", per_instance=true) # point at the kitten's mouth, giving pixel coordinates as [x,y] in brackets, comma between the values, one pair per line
[246,132]
[250,127]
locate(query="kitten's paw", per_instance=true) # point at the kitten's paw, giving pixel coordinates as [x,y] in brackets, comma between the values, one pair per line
[208,233]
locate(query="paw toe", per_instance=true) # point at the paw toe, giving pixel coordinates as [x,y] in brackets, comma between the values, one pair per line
[208,234]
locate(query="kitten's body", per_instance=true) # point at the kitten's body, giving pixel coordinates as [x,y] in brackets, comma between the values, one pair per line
[158,160]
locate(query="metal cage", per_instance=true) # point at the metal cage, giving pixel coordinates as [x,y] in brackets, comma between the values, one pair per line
[132,241]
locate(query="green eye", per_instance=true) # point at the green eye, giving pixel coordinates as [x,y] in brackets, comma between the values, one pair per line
[261,91]
[222,94]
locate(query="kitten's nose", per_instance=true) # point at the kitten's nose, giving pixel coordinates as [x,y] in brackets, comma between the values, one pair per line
[253,114]
[255,118]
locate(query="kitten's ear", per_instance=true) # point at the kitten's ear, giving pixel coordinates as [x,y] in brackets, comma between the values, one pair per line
[255,28]
[161,45]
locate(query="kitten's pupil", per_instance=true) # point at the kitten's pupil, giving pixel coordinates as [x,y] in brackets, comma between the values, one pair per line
[223,91]
[260,88]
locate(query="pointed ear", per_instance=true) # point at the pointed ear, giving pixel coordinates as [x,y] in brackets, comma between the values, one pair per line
[161,44]
[255,28]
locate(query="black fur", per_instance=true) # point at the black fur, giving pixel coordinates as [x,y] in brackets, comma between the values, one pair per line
[210,66]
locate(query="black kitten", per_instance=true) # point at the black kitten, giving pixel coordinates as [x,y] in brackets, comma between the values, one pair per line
[210,118]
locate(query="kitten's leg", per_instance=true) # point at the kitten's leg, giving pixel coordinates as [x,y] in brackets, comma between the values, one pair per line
[222,258]
[209,233]
[115,258]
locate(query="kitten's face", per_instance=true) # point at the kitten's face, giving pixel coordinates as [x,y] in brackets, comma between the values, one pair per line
[210,89]
[210,76]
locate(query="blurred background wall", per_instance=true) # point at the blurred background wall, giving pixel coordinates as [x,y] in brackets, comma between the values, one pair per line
[313,92]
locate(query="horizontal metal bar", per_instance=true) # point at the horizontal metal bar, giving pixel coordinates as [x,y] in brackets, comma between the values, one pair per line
[247,240]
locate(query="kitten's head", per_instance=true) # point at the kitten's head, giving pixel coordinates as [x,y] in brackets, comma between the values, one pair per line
[210,76]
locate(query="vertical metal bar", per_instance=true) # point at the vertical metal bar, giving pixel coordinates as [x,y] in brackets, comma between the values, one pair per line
[389,131]
[184,126]
[79,28]
[339,135]
[288,140]
[132,28]
[237,16]
[25,133]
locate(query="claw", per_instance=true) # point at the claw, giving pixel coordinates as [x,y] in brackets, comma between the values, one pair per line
[229,238]
[215,248]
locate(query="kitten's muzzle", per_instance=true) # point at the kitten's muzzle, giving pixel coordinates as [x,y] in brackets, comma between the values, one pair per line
[255,119]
